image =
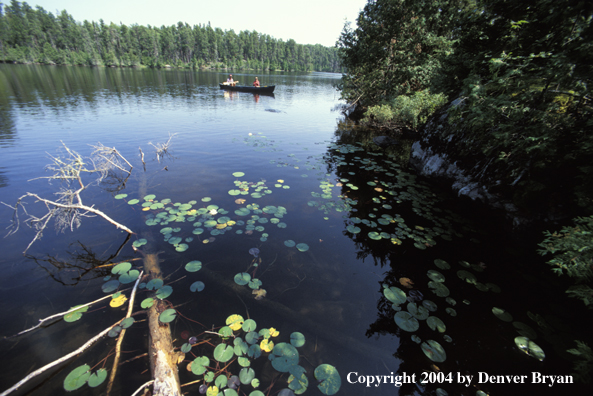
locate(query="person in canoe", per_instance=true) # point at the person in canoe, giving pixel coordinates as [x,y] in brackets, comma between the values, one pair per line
[256,82]
[230,80]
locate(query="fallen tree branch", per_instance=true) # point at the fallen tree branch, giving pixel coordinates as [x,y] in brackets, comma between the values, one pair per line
[41,321]
[121,337]
[146,385]
[63,359]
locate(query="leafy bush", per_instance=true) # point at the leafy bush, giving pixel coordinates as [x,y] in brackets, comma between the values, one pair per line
[572,248]
[407,111]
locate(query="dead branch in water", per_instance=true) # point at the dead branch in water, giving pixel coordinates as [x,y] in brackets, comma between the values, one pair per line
[68,209]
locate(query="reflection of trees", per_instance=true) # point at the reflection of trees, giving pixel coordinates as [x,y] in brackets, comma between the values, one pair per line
[82,265]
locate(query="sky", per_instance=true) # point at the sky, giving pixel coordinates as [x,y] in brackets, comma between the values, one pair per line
[305,21]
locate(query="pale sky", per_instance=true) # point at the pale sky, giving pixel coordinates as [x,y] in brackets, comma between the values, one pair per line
[305,21]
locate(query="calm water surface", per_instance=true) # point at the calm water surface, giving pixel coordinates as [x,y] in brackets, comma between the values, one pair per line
[368,230]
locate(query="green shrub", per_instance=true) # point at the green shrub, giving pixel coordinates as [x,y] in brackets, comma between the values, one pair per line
[405,111]
[572,248]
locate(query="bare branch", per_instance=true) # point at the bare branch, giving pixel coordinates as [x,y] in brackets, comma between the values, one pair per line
[162,148]
[65,358]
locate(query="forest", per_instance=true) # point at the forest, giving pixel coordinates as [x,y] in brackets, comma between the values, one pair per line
[510,83]
[34,35]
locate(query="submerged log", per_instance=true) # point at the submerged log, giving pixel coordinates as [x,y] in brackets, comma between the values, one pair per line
[163,358]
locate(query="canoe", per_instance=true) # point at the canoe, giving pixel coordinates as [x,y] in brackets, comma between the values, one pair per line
[246,88]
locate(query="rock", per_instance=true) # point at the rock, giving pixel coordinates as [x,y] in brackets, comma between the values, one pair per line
[384,141]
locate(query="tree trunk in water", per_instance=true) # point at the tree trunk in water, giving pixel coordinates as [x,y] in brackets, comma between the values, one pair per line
[163,358]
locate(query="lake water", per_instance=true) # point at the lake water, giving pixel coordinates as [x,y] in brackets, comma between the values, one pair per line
[348,239]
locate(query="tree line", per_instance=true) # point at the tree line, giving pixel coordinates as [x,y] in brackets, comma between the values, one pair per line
[34,35]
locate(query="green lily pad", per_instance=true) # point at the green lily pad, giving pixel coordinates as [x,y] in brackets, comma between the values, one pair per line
[289,243]
[395,295]
[133,201]
[223,353]
[436,324]
[193,266]
[147,303]
[431,306]
[75,315]
[139,242]
[242,278]
[77,377]
[406,321]
[436,276]
[297,339]
[182,247]
[249,325]
[284,356]
[127,322]
[121,268]
[434,351]
[197,286]
[164,292]
[129,277]
[530,348]
[502,314]
[97,378]
[353,229]
[329,377]
[439,288]
[154,284]
[168,315]
[246,375]
[120,196]
[467,276]
[149,197]
[419,312]
[185,348]
[255,284]
[238,174]
[199,365]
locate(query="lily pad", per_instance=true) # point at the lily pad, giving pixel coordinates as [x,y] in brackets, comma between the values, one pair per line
[436,324]
[129,277]
[199,365]
[395,295]
[154,284]
[168,315]
[302,247]
[75,315]
[242,278]
[121,268]
[147,303]
[297,339]
[530,348]
[197,286]
[329,377]
[436,276]
[164,292]
[77,377]
[193,266]
[249,325]
[223,353]
[284,356]
[419,312]
[406,321]
[434,351]
[239,174]
[97,378]
[246,375]
[502,314]
[289,243]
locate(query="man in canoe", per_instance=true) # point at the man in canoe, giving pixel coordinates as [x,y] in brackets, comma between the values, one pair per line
[256,82]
